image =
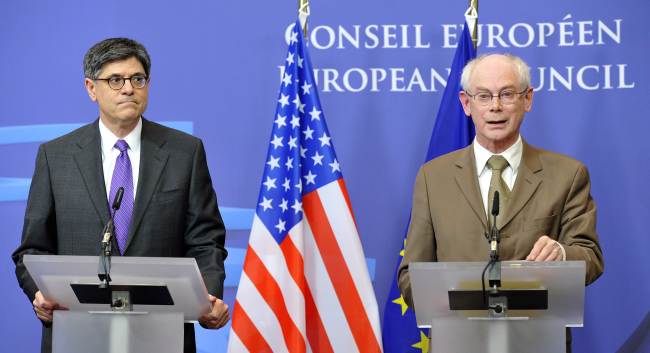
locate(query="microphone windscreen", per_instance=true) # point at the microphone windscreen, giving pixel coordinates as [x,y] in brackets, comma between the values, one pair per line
[495,203]
[118,198]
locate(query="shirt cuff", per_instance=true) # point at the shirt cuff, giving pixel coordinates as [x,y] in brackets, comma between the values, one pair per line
[562,250]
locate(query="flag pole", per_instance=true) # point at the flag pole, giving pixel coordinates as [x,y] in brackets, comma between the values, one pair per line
[303,14]
[473,4]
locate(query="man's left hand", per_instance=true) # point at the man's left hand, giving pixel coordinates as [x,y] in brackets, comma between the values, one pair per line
[217,317]
[545,249]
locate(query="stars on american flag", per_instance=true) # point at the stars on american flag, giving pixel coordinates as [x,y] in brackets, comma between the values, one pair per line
[295,121]
[283,205]
[305,88]
[284,100]
[289,163]
[287,79]
[293,40]
[308,133]
[297,206]
[292,142]
[315,114]
[269,183]
[317,158]
[300,156]
[273,162]
[335,166]
[277,142]
[310,178]
[266,204]
[324,140]
[281,121]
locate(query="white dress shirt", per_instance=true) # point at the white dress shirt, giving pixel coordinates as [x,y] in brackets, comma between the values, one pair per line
[509,174]
[110,153]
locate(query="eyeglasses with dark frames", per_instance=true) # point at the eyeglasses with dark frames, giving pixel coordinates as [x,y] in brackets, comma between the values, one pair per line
[117,82]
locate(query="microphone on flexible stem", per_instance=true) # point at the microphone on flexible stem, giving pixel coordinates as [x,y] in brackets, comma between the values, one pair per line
[104,266]
[495,237]
[108,229]
[497,303]
[494,276]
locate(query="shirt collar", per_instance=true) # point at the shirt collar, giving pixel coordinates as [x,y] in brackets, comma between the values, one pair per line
[109,139]
[512,155]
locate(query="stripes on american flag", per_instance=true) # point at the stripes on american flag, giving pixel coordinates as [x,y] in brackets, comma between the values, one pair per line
[305,285]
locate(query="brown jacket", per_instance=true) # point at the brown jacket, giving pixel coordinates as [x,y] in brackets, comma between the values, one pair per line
[550,197]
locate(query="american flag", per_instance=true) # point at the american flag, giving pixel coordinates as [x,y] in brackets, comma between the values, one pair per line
[305,285]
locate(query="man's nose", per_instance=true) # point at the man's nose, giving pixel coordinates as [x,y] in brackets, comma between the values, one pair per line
[127,88]
[495,103]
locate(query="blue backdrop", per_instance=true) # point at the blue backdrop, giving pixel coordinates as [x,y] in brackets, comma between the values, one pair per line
[381,67]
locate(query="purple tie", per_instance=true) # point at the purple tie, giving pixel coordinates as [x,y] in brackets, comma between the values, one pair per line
[122,177]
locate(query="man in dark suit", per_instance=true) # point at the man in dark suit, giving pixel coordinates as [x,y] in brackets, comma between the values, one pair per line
[169,207]
[549,214]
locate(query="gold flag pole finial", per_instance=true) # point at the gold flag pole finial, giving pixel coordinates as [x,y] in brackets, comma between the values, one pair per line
[473,4]
[303,14]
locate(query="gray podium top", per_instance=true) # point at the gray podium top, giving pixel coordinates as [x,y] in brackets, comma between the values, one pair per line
[564,280]
[54,275]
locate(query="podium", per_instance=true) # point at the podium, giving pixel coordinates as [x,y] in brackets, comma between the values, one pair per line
[543,298]
[143,310]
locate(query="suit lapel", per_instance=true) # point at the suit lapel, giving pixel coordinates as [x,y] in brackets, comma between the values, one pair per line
[526,183]
[89,161]
[152,162]
[467,182]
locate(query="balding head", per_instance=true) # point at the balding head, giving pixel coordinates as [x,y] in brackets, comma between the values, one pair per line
[521,69]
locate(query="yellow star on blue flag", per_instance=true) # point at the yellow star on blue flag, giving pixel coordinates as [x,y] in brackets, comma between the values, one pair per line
[423,345]
[402,304]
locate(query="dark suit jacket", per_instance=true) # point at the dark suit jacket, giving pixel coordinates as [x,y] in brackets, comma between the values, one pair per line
[550,197]
[175,212]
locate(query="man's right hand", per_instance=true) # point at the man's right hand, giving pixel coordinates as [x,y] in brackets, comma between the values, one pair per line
[44,308]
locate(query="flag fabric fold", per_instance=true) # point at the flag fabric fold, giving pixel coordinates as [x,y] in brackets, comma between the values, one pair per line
[452,130]
[305,285]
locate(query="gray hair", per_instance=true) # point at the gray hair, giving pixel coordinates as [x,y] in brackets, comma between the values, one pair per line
[522,69]
[114,49]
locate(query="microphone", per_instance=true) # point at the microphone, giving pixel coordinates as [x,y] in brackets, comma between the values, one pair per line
[494,232]
[108,229]
[497,302]
[495,204]
[104,265]
[494,277]
[118,199]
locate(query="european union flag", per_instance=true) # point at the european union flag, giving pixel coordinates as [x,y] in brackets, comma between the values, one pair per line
[452,130]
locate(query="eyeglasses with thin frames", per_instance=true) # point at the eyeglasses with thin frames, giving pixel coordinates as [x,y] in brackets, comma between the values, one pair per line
[507,96]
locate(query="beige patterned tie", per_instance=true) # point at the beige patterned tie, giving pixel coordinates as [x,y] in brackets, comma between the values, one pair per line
[497,164]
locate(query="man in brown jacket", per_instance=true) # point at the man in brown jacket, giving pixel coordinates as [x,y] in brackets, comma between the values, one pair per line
[549,213]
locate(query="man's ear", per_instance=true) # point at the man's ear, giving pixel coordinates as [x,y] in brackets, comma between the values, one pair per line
[528,97]
[464,101]
[90,88]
